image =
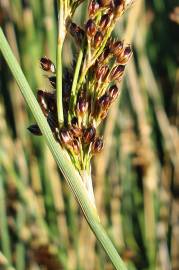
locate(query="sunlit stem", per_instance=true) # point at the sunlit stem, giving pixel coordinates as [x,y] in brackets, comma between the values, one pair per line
[59,71]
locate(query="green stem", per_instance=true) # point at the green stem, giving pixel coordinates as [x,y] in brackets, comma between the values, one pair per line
[71,175]
[75,81]
[59,71]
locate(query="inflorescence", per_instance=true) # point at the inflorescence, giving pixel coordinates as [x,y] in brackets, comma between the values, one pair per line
[101,69]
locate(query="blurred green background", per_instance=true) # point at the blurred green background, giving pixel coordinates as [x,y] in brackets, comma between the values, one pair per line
[136,177]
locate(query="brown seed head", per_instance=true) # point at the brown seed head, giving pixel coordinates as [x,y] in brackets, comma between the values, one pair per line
[97,39]
[91,28]
[34,129]
[97,145]
[105,21]
[105,3]
[102,72]
[104,102]
[52,81]
[125,55]
[75,129]
[65,137]
[113,92]
[93,7]
[117,72]
[47,64]
[119,7]
[89,134]
[76,146]
[82,105]
[116,47]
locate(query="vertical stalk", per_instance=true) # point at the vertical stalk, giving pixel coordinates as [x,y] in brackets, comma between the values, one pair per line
[59,72]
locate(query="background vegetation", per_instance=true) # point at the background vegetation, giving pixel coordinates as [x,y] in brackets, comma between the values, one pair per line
[136,177]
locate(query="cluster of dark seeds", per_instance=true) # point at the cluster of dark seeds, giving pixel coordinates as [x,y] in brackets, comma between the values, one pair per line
[103,68]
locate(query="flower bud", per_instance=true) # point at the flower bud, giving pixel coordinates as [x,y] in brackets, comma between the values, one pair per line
[113,92]
[89,134]
[117,72]
[52,81]
[98,39]
[125,55]
[93,7]
[97,145]
[35,130]
[82,105]
[91,28]
[102,72]
[47,64]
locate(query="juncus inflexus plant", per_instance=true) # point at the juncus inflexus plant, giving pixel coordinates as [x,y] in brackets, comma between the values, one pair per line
[83,95]
[80,99]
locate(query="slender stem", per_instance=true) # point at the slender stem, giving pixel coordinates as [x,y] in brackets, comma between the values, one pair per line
[71,175]
[75,81]
[59,71]
[87,179]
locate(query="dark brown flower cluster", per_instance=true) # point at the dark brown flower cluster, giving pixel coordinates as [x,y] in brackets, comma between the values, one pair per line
[102,68]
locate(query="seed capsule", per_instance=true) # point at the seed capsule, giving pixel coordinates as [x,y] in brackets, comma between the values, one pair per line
[47,101]
[104,102]
[113,92]
[119,7]
[82,105]
[104,56]
[105,22]
[52,121]
[102,72]
[52,80]
[89,134]
[105,3]
[97,39]
[93,7]
[35,130]
[47,64]
[76,31]
[125,55]
[117,72]
[65,137]
[76,146]
[91,28]
[75,129]
[97,145]
[116,47]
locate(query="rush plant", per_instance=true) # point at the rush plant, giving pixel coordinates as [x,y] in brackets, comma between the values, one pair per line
[80,98]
